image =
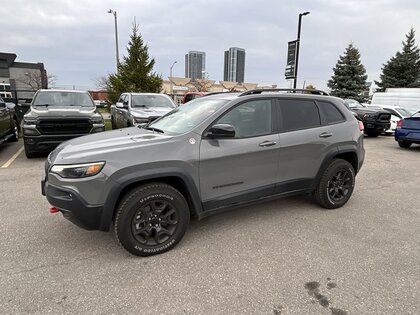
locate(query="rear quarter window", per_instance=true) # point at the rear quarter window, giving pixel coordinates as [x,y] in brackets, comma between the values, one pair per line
[330,113]
[298,114]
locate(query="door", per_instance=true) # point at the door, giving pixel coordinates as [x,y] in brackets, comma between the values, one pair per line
[4,118]
[304,143]
[119,113]
[243,167]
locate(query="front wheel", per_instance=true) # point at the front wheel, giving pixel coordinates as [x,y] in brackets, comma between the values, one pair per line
[404,144]
[336,185]
[15,131]
[151,219]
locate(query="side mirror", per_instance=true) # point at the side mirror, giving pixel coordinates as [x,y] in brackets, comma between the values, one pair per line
[120,105]
[220,131]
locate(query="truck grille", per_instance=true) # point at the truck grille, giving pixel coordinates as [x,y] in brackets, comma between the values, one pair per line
[64,126]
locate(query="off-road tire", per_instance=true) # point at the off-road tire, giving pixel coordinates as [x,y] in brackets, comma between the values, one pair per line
[133,216]
[404,144]
[322,194]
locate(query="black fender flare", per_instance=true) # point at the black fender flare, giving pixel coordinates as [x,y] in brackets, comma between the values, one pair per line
[120,183]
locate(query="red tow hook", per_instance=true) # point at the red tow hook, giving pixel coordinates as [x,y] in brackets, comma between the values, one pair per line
[53,210]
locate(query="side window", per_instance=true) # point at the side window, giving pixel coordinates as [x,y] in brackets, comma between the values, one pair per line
[121,99]
[330,113]
[250,119]
[299,114]
[125,102]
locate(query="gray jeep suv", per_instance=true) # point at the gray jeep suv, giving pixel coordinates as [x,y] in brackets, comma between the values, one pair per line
[209,155]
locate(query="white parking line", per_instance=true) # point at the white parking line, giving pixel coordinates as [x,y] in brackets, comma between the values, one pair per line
[10,161]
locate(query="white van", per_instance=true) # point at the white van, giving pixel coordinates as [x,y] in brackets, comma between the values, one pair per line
[404,97]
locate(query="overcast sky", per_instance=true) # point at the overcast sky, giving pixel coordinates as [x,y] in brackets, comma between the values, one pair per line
[75,39]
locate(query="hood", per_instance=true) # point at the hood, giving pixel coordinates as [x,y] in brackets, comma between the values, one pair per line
[150,111]
[61,111]
[97,146]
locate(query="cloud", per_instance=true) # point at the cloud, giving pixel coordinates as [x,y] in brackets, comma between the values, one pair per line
[76,42]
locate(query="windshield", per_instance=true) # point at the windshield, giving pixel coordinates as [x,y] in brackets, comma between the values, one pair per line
[54,98]
[151,101]
[353,103]
[188,116]
[403,112]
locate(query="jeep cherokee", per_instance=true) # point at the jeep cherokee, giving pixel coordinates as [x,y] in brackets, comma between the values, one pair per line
[212,154]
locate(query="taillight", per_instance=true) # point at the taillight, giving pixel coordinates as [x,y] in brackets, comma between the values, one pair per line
[400,123]
[361,126]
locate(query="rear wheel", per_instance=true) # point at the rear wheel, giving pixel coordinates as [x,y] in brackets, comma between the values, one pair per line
[151,219]
[404,143]
[336,185]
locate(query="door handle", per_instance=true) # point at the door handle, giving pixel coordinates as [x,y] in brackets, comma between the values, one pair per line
[267,143]
[325,135]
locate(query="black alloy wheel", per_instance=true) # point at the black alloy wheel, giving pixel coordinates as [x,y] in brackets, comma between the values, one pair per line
[151,219]
[339,185]
[336,185]
[154,223]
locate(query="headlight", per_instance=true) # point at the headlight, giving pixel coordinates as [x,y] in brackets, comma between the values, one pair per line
[97,120]
[29,122]
[78,170]
[140,120]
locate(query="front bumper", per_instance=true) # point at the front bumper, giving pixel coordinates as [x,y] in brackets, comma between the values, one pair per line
[72,206]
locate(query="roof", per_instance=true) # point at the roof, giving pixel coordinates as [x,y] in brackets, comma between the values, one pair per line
[63,90]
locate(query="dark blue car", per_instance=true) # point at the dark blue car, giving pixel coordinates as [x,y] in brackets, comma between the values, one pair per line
[408,131]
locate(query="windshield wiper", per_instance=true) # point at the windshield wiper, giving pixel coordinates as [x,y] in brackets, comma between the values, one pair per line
[46,105]
[154,129]
[145,106]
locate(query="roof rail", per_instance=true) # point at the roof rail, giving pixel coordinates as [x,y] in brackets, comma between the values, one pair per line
[303,91]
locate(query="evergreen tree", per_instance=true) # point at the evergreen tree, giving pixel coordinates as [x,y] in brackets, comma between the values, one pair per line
[349,78]
[402,70]
[135,72]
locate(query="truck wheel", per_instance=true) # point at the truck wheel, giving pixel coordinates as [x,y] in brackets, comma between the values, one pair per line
[373,134]
[151,219]
[336,185]
[404,143]
[15,131]
[29,154]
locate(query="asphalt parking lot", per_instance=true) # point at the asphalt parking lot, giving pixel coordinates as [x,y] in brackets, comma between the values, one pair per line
[284,257]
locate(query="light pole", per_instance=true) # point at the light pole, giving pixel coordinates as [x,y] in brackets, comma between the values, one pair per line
[116,36]
[170,76]
[298,46]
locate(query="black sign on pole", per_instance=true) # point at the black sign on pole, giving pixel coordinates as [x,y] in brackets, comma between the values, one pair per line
[290,71]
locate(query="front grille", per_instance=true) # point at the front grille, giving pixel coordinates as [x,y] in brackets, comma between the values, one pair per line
[64,126]
[151,118]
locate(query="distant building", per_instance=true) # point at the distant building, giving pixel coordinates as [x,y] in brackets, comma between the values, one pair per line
[234,69]
[195,64]
[24,78]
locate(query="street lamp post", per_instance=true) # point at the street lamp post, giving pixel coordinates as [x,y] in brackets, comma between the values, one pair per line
[170,76]
[298,46]
[116,36]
